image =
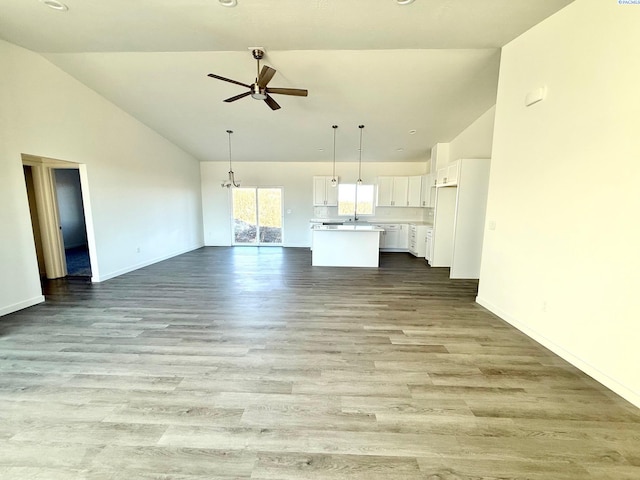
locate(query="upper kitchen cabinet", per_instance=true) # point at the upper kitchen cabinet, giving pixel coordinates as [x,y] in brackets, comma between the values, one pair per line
[392,191]
[428,191]
[399,191]
[414,191]
[324,194]
[439,156]
[448,175]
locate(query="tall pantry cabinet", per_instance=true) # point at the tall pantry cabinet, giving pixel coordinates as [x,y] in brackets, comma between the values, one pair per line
[459,217]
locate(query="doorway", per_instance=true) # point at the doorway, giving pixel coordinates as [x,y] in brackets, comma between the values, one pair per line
[257,216]
[60,216]
[72,223]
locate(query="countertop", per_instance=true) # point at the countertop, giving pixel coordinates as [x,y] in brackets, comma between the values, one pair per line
[372,221]
[348,228]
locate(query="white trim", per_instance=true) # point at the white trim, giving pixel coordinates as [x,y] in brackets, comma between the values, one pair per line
[47,202]
[599,376]
[21,305]
[117,273]
[88,219]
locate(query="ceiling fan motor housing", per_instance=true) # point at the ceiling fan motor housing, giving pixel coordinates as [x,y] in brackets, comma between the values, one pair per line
[257,92]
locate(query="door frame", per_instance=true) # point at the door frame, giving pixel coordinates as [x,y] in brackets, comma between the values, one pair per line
[49,217]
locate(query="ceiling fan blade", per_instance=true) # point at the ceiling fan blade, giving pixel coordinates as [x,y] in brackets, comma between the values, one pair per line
[266,74]
[237,97]
[298,92]
[228,80]
[272,103]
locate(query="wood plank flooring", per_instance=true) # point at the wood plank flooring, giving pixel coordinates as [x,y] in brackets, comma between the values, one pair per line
[248,363]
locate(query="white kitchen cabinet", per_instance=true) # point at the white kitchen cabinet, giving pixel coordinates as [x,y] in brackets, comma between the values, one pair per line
[414,191]
[439,156]
[395,237]
[324,194]
[385,192]
[459,218]
[443,227]
[448,175]
[418,239]
[452,172]
[428,251]
[394,192]
[428,190]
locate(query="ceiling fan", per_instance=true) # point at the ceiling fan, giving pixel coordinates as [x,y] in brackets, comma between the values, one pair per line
[259,89]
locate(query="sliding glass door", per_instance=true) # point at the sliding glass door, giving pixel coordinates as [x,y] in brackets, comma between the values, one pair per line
[257,216]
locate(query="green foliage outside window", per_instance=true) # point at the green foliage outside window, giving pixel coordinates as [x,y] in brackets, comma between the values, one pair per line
[347,199]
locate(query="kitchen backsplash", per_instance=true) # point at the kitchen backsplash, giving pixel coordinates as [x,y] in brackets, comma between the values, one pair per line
[410,214]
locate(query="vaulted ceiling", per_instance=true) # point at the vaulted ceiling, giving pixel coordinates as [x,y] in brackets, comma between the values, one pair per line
[429,66]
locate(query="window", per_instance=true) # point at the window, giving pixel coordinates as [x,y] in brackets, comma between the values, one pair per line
[355,199]
[257,216]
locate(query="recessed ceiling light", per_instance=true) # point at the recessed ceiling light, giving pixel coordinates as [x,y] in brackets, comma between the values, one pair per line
[55,5]
[399,149]
[412,132]
[228,3]
[404,2]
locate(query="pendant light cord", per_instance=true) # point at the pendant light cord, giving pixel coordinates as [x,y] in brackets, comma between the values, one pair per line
[361,127]
[334,181]
[232,178]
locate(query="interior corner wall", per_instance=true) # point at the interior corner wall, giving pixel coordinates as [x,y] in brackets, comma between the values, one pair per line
[476,140]
[562,262]
[144,191]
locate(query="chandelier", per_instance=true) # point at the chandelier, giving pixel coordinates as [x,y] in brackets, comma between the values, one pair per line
[231,181]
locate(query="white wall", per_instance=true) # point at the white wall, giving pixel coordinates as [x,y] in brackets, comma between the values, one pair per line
[562,263]
[474,141]
[297,180]
[144,191]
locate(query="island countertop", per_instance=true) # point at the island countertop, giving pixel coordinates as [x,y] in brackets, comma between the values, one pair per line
[349,228]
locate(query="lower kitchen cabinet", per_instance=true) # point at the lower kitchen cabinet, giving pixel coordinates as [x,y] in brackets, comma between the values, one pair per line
[395,237]
[418,239]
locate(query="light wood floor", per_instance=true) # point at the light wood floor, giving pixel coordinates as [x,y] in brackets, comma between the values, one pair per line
[248,363]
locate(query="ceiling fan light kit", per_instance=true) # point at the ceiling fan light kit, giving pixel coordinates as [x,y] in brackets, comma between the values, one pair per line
[259,90]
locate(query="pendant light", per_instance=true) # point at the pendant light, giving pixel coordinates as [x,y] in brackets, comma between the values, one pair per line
[359,182]
[334,180]
[231,181]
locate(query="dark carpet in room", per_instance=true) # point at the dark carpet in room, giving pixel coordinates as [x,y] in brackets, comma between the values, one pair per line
[78,264]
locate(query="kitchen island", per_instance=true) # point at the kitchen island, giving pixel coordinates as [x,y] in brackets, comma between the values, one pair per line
[346,246]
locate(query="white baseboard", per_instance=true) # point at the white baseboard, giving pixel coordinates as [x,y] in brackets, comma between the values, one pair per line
[599,376]
[21,305]
[117,273]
